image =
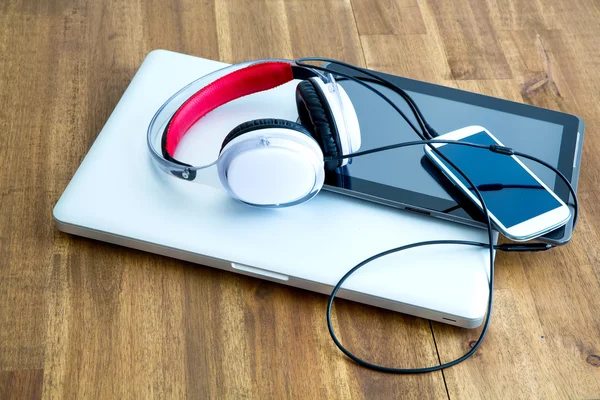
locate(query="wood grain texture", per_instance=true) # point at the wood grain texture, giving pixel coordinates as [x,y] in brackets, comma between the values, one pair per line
[469,39]
[388,17]
[21,384]
[84,319]
[339,40]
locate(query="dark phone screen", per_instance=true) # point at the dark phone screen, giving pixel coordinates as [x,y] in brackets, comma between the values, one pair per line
[509,191]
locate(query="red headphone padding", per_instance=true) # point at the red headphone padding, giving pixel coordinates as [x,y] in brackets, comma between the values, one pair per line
[242,82]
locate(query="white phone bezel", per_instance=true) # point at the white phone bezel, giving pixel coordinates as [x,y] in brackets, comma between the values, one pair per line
[525,230]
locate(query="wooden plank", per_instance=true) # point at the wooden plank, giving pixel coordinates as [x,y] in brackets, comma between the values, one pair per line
[120,333]
[26,195]
[21,384]
[534,349]
[390,339]
[115,328]
[244,326]
[33,8]
[324,28]
[469,39]
[250,30]
[514,15]
[287,29]
[94,48]
[388,17]
[186,26]
[535,69]
[581,16]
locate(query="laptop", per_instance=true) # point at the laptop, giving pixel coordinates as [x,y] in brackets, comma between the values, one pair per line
[117,195]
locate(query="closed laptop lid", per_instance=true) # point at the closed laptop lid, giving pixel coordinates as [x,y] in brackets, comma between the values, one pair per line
[118,191]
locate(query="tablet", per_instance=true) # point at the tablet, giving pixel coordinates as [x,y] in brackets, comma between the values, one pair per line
[401,177]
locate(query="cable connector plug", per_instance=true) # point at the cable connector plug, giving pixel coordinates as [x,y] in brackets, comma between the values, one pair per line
[431,131]
[502,149]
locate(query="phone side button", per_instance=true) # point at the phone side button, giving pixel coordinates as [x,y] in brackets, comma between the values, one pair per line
[259,272]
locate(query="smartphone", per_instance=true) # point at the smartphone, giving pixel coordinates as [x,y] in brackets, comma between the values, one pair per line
[520,205]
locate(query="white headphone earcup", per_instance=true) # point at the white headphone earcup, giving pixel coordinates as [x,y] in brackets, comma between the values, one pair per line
[272,167]
[268,176]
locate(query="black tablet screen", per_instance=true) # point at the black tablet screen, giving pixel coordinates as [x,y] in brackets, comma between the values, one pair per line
[401,176]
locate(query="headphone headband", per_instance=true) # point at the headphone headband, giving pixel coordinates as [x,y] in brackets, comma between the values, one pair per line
[239,83]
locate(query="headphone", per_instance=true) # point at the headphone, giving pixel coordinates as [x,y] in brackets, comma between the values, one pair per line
[270,162]
[280,163]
